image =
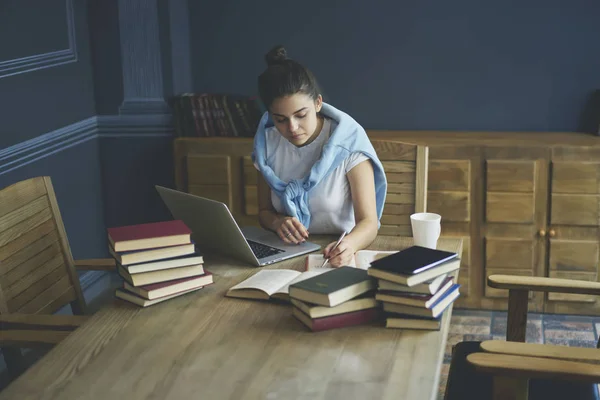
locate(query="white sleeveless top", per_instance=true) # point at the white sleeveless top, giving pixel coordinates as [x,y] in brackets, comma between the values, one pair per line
[330,202]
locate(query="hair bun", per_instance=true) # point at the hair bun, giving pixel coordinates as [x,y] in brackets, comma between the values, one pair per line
[277,55]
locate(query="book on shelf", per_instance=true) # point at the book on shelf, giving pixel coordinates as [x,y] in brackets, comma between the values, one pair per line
[149,235]
[429,287]
[362,302]
[338,321]
[270,283]
[143,302]
[413,322]
[149,255]
[333,287]
[415,299]
[166,288]
[394,272]
[147,278]
[433,312]
[361,259]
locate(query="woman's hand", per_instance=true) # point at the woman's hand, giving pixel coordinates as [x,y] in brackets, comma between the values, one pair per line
[341,255]
[290,230]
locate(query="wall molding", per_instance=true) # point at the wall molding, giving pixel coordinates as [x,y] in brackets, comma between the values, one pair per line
[45,60]
[148,125]
[45,145]
[92,128]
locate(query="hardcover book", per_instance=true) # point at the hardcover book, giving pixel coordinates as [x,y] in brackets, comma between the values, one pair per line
[147,278]
[362,302]
[429,287]
[142,302]
[413,260]
[414,279]
[150,235]
[433,312]
[333,287]
[415,299]
[338,321]
[142,256]
[160,289]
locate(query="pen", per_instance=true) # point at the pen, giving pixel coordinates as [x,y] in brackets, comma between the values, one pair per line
[334,247]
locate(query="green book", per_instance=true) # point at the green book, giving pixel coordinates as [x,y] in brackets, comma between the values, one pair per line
[333,287]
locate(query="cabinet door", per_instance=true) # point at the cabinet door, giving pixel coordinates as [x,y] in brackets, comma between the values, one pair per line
[220,169]
[573,231]
[516,184]
[450,184]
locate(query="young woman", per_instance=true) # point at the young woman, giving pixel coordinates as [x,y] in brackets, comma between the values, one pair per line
[319,171]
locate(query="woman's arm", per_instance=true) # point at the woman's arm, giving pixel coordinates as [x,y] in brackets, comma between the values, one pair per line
[289,229]
[362,189]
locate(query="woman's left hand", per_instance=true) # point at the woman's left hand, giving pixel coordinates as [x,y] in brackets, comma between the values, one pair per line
[341,255]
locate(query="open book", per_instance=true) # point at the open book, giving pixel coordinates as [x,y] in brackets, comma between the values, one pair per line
[271,283]
[362,259]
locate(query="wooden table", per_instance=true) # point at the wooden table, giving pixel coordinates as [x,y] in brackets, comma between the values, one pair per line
[207,346]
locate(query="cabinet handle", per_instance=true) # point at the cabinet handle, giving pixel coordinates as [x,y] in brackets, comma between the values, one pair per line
[542,233]
[551,233]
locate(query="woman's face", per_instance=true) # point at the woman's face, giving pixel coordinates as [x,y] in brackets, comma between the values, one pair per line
[295,117]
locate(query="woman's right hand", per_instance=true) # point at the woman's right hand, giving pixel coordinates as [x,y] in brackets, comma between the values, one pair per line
[290,230]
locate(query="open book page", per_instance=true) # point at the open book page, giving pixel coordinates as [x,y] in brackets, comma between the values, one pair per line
[301,277]
[268,280]
[362,259]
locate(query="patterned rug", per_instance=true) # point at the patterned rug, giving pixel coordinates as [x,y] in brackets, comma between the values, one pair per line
[567,330]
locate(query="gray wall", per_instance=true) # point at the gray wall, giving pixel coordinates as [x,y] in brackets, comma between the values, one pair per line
[35,99]
[430,64]
[47,124]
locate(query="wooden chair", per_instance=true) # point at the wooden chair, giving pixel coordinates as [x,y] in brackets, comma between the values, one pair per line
[405,166]
[37,271]
[513,369]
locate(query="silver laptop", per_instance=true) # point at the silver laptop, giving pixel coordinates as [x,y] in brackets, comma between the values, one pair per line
[214,228]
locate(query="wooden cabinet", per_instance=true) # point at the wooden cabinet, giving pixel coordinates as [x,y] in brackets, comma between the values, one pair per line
[515,209]
[574,219]
[524,203]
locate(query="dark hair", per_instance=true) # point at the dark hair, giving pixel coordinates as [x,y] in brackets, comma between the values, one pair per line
[285,77]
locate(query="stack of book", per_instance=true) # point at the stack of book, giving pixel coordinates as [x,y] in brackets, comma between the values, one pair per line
[415,286]
[157,261]
[335,298]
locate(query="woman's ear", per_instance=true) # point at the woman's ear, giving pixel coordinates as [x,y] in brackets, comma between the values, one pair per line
[319,103]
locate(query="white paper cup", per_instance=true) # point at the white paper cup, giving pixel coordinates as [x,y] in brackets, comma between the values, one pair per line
[426,228]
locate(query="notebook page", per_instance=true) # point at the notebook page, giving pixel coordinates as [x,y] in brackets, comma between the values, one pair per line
[268,280]
[303,276]
[314,262]
[364,258]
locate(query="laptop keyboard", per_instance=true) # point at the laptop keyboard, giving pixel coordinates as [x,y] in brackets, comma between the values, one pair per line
[262,250]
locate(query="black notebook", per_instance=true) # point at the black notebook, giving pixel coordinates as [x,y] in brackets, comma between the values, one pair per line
[413,260]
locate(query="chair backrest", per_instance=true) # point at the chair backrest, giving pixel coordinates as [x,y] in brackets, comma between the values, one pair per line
[405,166]
[37,272]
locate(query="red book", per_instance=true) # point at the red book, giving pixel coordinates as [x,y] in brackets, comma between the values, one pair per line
[338,321]
[147,236]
